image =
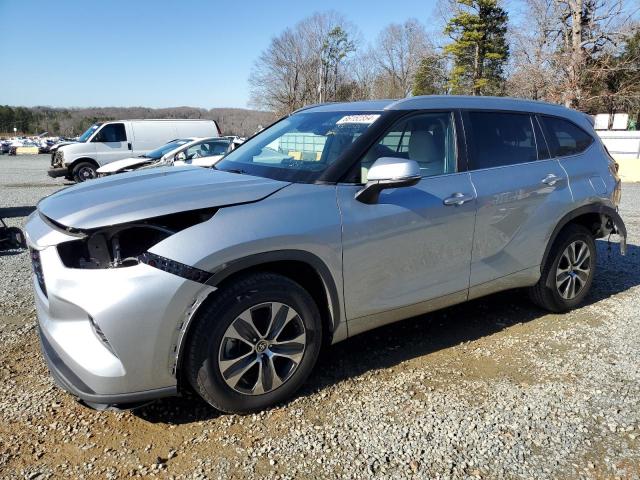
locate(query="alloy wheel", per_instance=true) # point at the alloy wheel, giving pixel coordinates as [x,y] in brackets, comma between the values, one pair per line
[262,348]
[574,269]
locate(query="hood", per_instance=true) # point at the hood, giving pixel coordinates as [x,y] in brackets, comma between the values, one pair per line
[143,194]
[77,147]
[61,144]
[114,167]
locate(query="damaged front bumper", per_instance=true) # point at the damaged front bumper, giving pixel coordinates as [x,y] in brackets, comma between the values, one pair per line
[55,172]
[109,336]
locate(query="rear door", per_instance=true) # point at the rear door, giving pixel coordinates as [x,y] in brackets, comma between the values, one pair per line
[111,143]
[521,192]
[414,245]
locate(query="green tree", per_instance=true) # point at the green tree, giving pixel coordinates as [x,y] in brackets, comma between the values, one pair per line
[430,78]
[478,49]
[335,49]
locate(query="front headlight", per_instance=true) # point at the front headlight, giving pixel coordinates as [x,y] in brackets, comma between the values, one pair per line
[59,156]
[127,245]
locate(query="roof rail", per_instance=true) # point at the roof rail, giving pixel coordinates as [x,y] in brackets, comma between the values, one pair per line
[313,105]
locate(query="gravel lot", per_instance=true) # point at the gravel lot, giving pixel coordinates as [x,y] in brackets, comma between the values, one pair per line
[492,389]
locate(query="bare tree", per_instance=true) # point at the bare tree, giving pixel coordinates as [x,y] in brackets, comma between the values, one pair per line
[587,28]
[363,71]
[302,63]
[564,47]
[398,52]
[278,79]
[614,79]
[532,70]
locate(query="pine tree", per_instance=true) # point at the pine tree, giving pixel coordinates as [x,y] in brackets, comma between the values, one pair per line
[430,78]
[479,49]
[336,47]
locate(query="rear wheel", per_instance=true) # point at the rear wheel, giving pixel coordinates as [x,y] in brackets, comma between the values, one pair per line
[255,344]
[568,273]
[84,171]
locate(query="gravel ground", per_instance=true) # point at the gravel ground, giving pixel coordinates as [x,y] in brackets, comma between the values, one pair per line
[492,389]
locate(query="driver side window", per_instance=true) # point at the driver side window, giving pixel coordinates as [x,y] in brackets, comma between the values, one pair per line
[114,132]
[427,138]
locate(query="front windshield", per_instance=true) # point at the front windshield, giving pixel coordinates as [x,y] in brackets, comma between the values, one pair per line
[85,136]
[300,147]
[161,151]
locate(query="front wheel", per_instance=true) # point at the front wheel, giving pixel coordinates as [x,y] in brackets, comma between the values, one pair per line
[255,344]
[568,273]
[84,171]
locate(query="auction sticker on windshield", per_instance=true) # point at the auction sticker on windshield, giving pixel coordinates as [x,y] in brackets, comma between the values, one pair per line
[365,119]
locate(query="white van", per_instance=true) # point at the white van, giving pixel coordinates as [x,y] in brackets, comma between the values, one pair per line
[107,142]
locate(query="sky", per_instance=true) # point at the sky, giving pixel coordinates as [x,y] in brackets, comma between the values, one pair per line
[157,53]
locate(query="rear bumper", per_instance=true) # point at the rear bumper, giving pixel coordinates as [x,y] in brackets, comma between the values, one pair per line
[58,172]
[619,227]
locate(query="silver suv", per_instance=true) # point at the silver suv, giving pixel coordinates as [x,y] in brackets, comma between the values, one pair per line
[335,220]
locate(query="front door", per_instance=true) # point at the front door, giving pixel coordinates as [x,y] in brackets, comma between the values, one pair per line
[111,143]
[411,249]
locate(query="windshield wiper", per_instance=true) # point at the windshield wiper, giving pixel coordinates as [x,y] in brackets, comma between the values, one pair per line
[235,170]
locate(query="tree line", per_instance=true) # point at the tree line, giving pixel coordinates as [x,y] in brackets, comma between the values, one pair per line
[71,122]
[584,54]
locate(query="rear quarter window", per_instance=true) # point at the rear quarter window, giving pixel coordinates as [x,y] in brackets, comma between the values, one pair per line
[564,137]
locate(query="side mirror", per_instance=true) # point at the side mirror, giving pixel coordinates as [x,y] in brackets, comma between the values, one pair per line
[388,172]
[180,157]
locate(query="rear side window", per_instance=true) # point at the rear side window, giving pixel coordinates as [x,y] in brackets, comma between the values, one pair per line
[114,132]
[564,138]
[498,138]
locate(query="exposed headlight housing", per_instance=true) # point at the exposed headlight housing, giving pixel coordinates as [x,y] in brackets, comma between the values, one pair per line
[127,245]
[59,157]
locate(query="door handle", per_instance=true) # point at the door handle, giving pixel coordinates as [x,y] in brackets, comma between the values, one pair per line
[129,145]
[551,179]
[457,199]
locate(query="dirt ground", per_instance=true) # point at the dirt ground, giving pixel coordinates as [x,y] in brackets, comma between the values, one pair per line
[495,388]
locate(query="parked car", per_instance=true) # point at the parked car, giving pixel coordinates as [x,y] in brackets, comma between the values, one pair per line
[203,152]
[108,142]
[5,146]
[335,220]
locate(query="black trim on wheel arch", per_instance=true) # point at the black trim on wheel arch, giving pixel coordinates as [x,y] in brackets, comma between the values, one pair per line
[598,208]
[258,259]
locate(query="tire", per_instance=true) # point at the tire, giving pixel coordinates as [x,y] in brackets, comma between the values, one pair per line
[84,171]
[553,290]
[213,346]
[17,237]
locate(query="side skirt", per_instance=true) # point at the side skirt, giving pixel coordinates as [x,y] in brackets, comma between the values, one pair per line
[524,278]
[369,322]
